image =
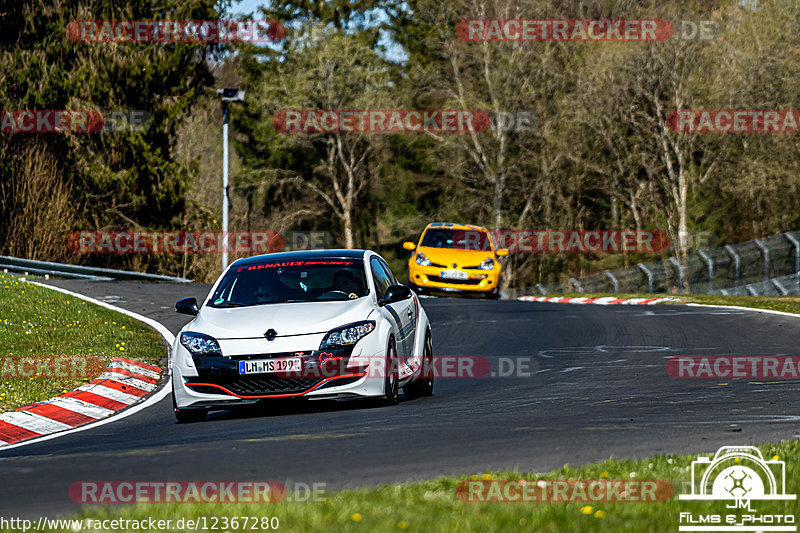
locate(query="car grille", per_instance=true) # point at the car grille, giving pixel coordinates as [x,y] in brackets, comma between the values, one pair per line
[256,386]
[439,279]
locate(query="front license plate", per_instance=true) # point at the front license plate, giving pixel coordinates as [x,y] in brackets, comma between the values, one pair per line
[454,274]
[266,366]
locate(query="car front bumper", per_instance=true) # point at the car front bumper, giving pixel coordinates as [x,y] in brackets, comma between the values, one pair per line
[477,280]
[214,381]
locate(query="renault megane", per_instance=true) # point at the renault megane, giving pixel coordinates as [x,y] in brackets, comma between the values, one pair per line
[327,324]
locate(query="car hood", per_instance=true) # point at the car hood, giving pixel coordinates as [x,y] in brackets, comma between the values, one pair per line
[462,258]
[300,318]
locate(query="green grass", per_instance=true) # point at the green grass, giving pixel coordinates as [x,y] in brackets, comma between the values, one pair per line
[787,304]
[39,322]
[433,506]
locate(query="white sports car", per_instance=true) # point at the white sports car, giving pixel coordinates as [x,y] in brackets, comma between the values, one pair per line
[311,324]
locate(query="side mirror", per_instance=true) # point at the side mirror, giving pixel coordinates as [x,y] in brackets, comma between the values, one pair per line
[187,306]
[410,246]
[501,252]
[395,293]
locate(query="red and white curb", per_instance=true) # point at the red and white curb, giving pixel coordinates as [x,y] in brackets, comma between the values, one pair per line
[605,300]
[124,388]
[123,384]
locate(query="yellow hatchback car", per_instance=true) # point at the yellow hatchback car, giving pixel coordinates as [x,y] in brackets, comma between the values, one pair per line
[455,258]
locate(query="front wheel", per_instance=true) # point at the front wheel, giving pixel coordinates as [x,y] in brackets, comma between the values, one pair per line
[423,385]
[391,389]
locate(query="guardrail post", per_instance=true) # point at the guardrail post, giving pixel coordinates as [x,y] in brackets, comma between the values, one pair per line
[765,254]
[710,263]
[540,288]
[578,285]
[613,280]
[649,275]
[781,289]
[736,264]
[796,245]
[679,267]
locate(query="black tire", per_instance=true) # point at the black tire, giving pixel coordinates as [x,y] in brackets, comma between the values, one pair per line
[391,382]
[187,416]
[493,294]
[423,386]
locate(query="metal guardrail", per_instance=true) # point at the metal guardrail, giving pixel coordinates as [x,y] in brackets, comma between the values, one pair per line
[769,266]
[15,264]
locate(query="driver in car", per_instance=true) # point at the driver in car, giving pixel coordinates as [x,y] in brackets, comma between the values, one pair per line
[346,282]
[265,293]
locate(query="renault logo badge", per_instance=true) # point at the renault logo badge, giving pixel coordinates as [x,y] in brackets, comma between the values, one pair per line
[271,334]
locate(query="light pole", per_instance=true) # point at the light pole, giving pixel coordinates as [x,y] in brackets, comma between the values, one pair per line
[227,95]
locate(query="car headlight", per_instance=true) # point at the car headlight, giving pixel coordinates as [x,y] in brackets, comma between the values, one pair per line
[347,335]
[200,344]
[487,264]
[423,260]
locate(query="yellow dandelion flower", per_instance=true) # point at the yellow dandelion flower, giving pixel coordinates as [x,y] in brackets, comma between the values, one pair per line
[356,517]
[587,509]
[486,477]
[604,475]
[600,514]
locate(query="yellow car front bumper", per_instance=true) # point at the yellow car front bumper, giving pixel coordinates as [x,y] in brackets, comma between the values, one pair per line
[431,278]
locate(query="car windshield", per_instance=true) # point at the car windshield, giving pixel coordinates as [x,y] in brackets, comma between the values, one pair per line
[305,280]
[456,238]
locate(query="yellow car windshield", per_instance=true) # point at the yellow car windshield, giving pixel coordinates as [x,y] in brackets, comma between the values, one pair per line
[456,238]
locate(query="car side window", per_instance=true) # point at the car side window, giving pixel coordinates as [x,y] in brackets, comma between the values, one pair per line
[389,273]
[381,278]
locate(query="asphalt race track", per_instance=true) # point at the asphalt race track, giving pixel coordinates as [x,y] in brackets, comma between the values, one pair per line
[598,388]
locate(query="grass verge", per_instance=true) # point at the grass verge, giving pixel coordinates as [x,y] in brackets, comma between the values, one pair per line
[38,323]
[433,506]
